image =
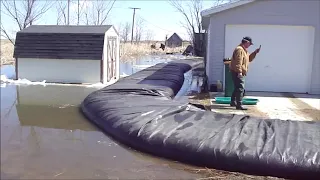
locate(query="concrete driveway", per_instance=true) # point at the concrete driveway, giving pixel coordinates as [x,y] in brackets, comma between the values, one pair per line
[284,106]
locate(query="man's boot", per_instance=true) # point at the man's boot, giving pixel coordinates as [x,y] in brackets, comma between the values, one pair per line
[239,102]
[233,104]
[233,99]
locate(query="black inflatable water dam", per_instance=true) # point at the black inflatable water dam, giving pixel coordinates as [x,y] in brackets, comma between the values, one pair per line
[140,111]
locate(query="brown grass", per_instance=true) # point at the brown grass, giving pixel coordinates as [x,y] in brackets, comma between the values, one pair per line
[6,52]
[201,98]
[128,51]
[213,174]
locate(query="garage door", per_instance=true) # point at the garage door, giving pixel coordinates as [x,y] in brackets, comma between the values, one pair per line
[284,62]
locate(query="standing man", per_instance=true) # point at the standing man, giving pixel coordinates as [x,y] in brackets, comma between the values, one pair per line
[239,68]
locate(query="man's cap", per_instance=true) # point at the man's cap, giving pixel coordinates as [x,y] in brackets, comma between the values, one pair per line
[247,38]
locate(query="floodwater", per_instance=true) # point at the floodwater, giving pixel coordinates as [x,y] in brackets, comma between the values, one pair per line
[131,67]
[45,136]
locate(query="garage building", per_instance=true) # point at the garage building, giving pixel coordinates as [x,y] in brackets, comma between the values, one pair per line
[288,32]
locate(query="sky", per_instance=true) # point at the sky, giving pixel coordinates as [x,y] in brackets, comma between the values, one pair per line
[158,16]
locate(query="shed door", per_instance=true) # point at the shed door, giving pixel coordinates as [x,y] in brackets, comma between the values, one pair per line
[284,63]
[111,57]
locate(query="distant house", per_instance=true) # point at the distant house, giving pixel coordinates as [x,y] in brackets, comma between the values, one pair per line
[289,59]
[174,41]
[68,54]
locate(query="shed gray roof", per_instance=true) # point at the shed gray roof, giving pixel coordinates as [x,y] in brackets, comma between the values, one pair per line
[66,29]
[60,42]
[173,36]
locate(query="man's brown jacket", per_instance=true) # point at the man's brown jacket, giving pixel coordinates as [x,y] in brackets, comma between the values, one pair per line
[240,60]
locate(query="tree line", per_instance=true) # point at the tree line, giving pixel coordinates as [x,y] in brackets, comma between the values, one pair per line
[95,12]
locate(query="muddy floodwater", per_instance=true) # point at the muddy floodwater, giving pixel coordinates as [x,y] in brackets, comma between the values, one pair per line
[45,136]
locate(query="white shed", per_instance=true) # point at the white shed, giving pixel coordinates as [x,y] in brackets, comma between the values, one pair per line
[68,54]
[289,32]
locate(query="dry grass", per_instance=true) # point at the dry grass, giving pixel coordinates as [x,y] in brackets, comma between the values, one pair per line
[6,52]
[130,51]
[213,174]
[201,98]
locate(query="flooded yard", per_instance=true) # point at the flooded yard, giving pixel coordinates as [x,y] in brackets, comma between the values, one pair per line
[44,135]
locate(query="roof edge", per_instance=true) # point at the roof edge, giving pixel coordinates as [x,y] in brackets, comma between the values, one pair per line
[177,36]
[115,29]
[66,29]
[223,7]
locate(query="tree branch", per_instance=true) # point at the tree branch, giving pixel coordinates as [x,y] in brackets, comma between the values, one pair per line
[25,14]
[62,13]
[105,17]
[178,5]
[6,35]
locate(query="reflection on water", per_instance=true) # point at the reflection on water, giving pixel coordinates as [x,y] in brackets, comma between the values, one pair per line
[132,67]
[43,135]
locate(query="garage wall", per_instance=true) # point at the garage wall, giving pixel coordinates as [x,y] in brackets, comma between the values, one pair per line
[270,12]
[59,70]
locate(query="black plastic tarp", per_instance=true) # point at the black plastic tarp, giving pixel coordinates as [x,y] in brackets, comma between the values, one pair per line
[139,111]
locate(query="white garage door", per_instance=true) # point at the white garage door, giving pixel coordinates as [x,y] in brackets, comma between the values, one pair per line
[284,62]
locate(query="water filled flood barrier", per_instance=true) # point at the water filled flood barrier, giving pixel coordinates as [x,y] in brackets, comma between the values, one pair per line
[140,111]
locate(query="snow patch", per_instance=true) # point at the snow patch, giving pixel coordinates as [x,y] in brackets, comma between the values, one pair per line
[96,85]
[8,74]
[100,85]
[123,75]
[5,79]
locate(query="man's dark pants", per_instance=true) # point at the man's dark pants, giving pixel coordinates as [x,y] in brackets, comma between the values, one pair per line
[238,91]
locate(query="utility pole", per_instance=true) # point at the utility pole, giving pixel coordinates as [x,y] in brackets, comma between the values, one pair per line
[134,14]
[68,12]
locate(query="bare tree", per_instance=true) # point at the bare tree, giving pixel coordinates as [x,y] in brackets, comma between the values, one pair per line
[81,7]
[61,13]
[78,7]
[190,10]
[138,29]
[149,35]
[100,9]
[24,14]
[125,32]
[119,28]
[78,12]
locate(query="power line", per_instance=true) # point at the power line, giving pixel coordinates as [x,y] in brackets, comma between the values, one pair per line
[155,25]
[170,31]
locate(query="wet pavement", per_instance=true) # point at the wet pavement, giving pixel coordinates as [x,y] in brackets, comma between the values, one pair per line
[284,106]
[45,136]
